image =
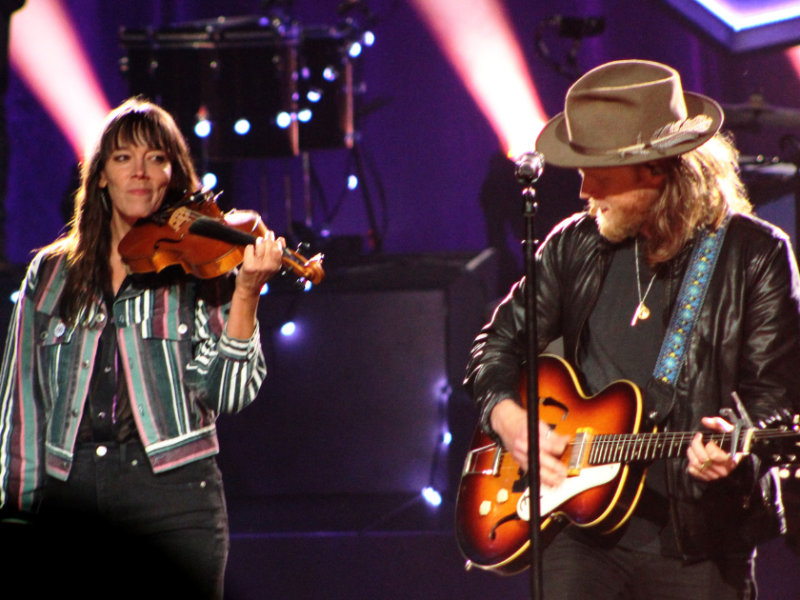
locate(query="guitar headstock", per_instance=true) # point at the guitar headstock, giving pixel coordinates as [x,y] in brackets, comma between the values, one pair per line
[780,447]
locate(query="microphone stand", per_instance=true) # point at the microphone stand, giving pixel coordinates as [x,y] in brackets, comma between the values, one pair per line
[529,168]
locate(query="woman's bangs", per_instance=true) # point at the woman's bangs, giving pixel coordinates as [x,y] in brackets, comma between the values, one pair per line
[138,130]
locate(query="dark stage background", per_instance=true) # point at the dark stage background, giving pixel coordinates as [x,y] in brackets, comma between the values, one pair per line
[324,472]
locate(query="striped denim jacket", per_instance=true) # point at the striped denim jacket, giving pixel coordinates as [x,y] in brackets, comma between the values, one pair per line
[181,369]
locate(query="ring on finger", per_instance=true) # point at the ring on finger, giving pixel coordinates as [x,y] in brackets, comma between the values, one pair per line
[705,465]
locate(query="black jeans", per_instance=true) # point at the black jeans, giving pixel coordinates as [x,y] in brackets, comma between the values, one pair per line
[572,570]
[169,529]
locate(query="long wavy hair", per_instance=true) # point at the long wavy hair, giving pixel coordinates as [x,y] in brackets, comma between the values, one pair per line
[87,241]
[701,187]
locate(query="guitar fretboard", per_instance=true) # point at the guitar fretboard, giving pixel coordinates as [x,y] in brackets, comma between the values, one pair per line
[633,447]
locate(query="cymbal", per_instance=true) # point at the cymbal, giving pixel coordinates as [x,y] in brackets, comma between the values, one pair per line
[756,114]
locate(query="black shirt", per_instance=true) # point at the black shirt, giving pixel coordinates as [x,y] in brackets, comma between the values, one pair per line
[107,415]
[614,349]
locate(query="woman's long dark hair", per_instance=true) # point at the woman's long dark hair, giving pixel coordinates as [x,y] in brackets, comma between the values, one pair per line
[87,242]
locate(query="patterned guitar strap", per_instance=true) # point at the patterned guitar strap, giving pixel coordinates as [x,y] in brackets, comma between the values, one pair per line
[690,301]
[766,523]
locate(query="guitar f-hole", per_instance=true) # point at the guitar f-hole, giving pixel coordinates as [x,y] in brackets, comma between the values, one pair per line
[549,401]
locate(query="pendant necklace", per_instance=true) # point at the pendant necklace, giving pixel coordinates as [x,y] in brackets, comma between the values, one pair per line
[642,312]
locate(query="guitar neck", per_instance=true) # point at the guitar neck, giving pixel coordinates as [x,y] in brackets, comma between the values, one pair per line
[635,447]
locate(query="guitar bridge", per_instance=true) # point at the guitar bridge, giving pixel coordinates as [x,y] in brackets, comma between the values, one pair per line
[580,450]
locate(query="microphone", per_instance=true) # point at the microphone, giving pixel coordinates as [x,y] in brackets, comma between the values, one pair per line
[529,167]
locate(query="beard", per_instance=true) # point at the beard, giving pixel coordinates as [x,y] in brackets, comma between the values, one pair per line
[623,220]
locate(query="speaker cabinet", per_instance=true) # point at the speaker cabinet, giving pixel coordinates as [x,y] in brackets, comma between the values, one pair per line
[360,397]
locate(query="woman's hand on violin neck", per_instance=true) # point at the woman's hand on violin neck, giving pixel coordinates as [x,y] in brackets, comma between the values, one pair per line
[261,261]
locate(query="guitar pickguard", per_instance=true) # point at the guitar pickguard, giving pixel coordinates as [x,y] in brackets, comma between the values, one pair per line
[550,498]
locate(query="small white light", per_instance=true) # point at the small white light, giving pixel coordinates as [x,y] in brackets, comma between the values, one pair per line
[242,126]
[264,289]
[431,496]
[355,50]
[447,438]
[202,128]
[288,329]
[14,296]
[209,181]
[352,182]
[314,95]
[304,116]
[307,286]
[368,38]
[330,74]
[283,120]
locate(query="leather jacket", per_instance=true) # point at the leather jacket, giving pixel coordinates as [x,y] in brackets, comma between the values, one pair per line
[746,339]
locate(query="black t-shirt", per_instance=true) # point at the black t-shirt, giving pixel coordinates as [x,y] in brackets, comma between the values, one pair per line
[614,348]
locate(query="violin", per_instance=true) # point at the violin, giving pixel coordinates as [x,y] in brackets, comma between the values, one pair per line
[203,240]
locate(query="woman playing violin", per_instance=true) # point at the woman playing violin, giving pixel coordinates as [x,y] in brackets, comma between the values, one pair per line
[111,381]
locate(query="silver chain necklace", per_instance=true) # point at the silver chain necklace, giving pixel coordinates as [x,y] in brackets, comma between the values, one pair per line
[642,312]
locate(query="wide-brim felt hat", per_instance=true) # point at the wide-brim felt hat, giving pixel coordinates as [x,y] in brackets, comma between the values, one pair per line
[627,112]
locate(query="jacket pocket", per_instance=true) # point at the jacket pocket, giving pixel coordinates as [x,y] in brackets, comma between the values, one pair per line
[55,360]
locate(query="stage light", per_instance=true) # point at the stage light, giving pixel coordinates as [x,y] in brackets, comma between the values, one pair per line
[288,329]
[242,126]
[314,95]
[202,128]
[307,285]
[355,50]
[481,46]
[432,497]
[14,296]
[304,115]
[793,54]
[283,120]
[264,290]
[330,74]
[209,181]
[748,17]
[352,182]
[368,38]
[447,438]
[46,53]
[742,26]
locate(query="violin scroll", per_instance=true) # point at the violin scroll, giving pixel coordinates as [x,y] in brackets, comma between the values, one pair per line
[307,268]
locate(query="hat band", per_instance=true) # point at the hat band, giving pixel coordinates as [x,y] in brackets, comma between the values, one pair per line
[669,136]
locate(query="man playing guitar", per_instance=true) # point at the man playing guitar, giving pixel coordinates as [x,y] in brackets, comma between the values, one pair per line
[660,179]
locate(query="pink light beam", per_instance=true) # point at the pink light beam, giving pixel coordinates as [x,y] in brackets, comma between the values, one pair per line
[480,44]
[46,53]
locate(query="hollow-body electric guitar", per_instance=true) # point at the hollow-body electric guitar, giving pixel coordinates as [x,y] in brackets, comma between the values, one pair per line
[606,461]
